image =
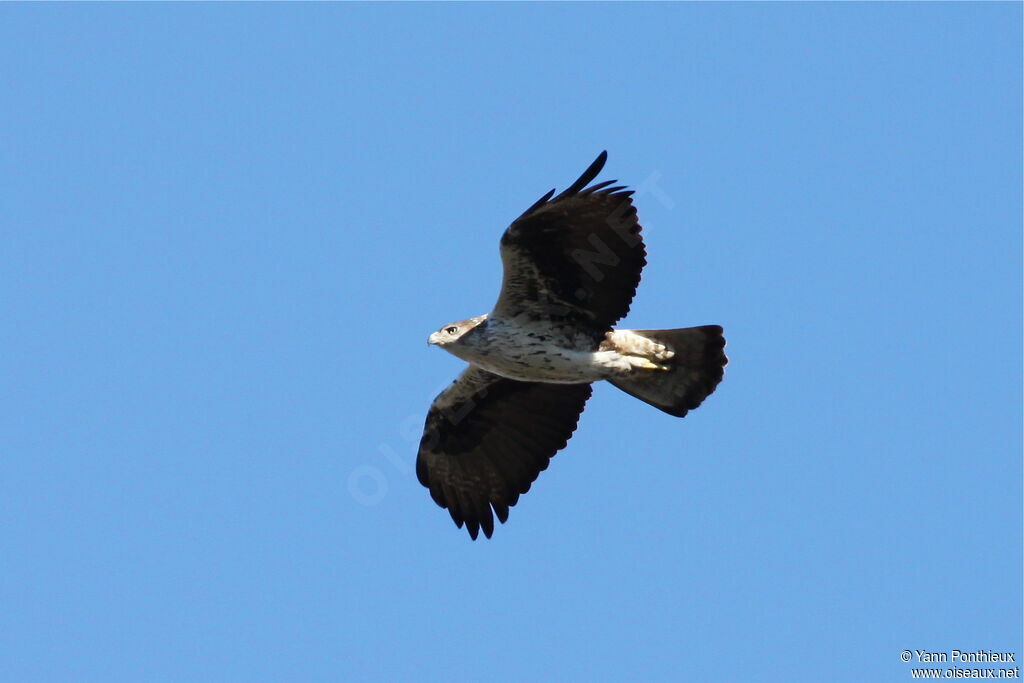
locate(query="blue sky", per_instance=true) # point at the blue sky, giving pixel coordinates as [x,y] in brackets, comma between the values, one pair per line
[228,230]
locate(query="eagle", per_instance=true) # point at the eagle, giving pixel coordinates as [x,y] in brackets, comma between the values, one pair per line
[571,264]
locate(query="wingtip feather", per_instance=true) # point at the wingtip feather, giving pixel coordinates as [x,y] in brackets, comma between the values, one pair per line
[587,176]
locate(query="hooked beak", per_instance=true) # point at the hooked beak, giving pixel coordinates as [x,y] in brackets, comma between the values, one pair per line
[434,338]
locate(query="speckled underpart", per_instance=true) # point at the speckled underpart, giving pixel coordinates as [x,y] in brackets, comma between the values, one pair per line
[540,351]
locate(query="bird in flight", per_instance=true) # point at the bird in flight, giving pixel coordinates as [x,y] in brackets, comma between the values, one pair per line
[572,263]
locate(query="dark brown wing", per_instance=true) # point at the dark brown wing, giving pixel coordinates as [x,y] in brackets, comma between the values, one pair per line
[576,257]
[487,438]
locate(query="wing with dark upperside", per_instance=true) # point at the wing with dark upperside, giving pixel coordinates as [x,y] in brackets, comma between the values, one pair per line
[574,257]
[487,438]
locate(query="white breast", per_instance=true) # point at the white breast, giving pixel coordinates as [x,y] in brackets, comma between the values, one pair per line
[537,353]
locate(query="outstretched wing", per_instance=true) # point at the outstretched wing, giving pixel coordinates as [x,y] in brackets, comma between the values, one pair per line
[487,438]
[576,257]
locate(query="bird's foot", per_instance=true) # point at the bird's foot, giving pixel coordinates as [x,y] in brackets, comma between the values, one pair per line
[646,364]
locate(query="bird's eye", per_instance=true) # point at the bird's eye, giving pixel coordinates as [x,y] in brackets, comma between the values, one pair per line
[452,330]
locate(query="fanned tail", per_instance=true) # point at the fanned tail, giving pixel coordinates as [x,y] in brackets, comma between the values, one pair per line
[692,373]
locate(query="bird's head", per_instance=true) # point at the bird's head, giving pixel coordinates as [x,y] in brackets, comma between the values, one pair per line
[453,334]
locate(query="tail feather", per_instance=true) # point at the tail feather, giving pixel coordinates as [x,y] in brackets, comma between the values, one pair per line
[694,370]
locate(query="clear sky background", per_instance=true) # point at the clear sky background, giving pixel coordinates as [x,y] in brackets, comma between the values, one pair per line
[227,231]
